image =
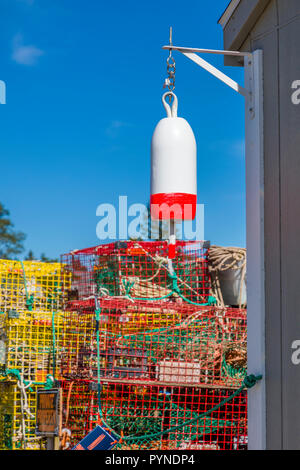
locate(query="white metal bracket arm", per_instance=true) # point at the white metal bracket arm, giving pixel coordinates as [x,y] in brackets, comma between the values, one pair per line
[191,54]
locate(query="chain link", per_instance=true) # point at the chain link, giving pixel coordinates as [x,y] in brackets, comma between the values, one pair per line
[171,69]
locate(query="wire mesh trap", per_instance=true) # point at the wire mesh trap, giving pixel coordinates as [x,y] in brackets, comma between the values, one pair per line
[138,269]
[30,326]
[158,342]
[32,285]
[155,418]
[17,418]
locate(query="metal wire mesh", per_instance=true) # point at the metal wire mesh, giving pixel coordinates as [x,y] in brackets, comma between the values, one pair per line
[30,345]
[43,282]
[11,418]
[138,410]
[162,362]
[106,270]
[159,342]
[29,336]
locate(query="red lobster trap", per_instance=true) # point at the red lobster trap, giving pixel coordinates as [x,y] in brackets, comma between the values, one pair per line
[139,270]
[164,343]
[155,418]
[161,365]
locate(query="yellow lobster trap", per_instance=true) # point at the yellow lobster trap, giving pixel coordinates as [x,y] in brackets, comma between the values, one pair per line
[31,284]
[30,361]
[17,418]
[31,322]
[30,344]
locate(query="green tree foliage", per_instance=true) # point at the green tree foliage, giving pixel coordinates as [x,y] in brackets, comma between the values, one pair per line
[11,241]
[30,256]
[45,259]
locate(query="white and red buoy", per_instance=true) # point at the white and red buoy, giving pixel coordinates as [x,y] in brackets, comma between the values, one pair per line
[173,167]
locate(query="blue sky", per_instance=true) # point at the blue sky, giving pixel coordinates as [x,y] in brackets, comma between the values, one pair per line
[84,84]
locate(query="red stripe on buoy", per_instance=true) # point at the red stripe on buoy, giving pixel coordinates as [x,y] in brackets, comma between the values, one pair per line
[173,206]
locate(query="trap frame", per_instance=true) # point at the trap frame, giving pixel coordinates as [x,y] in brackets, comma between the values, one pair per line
[162,342]
[138,269]
[31,322]
[32,285]
[17,418]
[157,418]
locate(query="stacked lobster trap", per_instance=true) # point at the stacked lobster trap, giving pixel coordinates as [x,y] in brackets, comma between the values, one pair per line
[138,268]
[147,353]
[31,321]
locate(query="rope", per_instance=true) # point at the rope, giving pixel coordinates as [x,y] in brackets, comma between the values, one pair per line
[128,285]
[49,382]
[16,373]
[184,324]
[248,382]
[232,372]
[68,401]
[223,259]
[66,433]
[160,260]
[143,289]
[53,345]
[167,268]
[23,386]
[22,426]
[210,301]
[24,408]
[29,298]
[23,389]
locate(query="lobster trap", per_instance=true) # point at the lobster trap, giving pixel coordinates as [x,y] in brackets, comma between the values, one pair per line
[32,285]
[30,339]
[157,418]
[30,317]
[159,343]
[139,270]
[30,328]
[17,418]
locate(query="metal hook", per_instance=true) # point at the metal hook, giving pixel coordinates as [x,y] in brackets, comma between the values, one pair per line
[171,111]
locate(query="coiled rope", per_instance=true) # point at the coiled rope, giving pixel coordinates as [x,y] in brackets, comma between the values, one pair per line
[223,259]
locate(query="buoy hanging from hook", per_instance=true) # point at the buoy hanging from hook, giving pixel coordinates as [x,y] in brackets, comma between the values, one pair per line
[173,167]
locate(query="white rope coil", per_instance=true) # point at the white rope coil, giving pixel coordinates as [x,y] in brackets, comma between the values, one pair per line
[224,259]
